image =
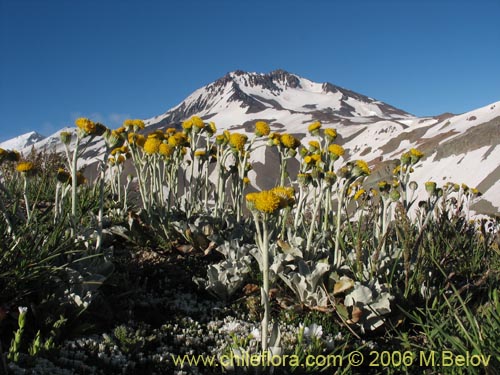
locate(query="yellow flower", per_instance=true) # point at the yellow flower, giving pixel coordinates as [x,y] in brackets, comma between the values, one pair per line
[314,145]
[138,124]
[289,141]
[383,186]
[211,127]
[267,202]
[198,122]
[158,134]
[314,127]
[25,166]
[308,159]
[120,159]
[430,187]
[262,128]
[359,193]
[200,153]
[304,178]
[330,177]
[285,194]
[152,145]
[187,124]
[65,137]
[237,141]
[178,139]
[220,139]
[246,181]
[251,197]
[360,168]
[331,134]
[170,131]
[136,139]
[63,176]
[416,155]
[87,126]
[165,150]
[336,150]
[316,158]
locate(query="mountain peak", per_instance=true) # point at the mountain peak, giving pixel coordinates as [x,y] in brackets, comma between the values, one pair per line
[22,141]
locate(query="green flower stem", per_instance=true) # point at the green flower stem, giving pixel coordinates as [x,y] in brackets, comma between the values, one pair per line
[25,194]
[265,283]
[336,254]
[298,211]
[103,167]
[313,219]
[74,182]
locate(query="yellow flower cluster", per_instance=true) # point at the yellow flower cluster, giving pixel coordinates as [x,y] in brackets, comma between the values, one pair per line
[135,139]
[262,128]
[411,157]
[193,121]
[133,125]
[177,139]
[8,155]
[312,159]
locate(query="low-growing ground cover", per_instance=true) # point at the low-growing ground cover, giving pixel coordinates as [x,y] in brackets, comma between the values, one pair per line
[182,267]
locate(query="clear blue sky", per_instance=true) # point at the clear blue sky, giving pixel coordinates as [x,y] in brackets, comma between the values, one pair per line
[110,60]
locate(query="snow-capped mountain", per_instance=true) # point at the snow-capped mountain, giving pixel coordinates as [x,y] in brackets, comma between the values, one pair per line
[22,141]
[458,148]
[284,98]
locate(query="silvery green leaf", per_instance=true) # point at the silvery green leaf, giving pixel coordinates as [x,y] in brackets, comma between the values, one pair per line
[360,293]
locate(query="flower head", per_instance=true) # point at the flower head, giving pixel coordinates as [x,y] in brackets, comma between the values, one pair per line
[237,141]
[262,128]
[86,126]
[165,150]
[430,187]
[65,137]
[135,139]
[200,153]
[314,128]
[289,141]
[177,139]
[152,145]
[360,193]
[331,134]
[314,146]
[336,151]
[360,168]
[285,194]
[25,167]
[267,202]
